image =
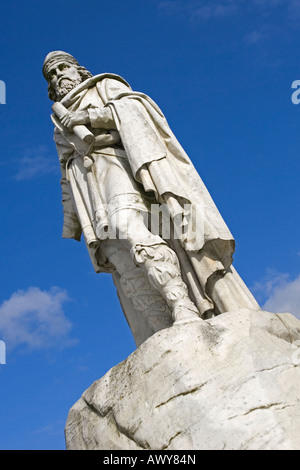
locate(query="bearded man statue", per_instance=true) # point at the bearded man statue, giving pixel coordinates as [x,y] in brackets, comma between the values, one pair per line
[133,193]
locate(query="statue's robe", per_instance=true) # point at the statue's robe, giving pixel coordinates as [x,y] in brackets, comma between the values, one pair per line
[158,164]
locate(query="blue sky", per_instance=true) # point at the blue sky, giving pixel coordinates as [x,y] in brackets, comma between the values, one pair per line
[222,72]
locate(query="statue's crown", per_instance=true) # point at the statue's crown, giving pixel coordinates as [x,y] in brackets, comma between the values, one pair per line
[54,57]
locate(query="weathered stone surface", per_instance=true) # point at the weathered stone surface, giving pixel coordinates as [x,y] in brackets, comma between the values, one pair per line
[232,382]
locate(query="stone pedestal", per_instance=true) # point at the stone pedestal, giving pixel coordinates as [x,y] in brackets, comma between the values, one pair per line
[231,382]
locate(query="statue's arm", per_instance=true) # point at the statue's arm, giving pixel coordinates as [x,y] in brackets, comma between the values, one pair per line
[101,118]
[96,117]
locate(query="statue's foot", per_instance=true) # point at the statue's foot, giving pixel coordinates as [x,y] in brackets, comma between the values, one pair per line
[185,314]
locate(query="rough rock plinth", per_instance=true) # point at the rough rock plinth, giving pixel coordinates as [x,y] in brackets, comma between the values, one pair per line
[231,382]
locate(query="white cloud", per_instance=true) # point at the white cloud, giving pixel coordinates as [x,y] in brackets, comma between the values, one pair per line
[36,162]
[280,293]
[285,298]
[35,319]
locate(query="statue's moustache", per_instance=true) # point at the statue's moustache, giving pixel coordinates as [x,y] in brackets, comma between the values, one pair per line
[64,78]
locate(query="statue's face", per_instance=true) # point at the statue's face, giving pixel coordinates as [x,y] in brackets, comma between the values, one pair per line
[63,78]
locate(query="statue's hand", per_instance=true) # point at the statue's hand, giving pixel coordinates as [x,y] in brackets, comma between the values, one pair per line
[72,119]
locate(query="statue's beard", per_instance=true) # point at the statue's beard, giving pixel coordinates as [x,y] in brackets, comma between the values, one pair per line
[65,85]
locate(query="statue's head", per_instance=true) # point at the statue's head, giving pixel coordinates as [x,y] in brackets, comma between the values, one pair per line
[63,73]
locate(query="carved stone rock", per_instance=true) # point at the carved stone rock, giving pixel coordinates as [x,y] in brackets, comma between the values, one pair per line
[231,382]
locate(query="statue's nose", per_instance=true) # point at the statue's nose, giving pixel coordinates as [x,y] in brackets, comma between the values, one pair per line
[58,72]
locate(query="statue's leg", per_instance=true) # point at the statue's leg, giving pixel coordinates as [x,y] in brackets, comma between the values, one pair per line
[132,284]
[157,260]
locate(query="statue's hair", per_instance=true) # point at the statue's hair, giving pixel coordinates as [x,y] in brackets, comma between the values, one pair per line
[83,72]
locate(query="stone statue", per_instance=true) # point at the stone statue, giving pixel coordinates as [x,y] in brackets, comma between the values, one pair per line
[143,210]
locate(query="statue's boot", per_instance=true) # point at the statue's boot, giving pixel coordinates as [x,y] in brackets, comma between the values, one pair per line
[161,266]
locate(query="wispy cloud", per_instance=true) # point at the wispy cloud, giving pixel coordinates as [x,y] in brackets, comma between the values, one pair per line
[254,37]
[51,429]
[257,22]
[294,10]
[215,9]
[201,9]
[281,294]
[34,318]
[36,162]
[171,7]
[269,3]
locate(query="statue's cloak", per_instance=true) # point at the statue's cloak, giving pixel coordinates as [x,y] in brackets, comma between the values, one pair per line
[160,164]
